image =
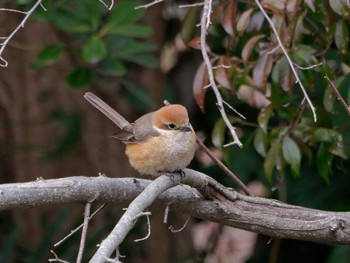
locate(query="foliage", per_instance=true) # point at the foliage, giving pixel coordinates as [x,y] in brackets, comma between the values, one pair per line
[315,33]
[104,42]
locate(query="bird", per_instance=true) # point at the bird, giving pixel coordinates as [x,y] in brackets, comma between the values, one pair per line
[162,141]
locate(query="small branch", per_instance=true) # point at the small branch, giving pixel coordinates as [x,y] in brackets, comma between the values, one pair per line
[109,7]
[224,168]
[309,67]
[191,5]
[290,62]
[339,97]
[148,229]
[149,4]
[3,62]
[137,206]
[77,229]
[84,231]
[56,259]
[205,21]
[180,229]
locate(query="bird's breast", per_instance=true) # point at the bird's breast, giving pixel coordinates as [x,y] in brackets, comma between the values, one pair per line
[168,152]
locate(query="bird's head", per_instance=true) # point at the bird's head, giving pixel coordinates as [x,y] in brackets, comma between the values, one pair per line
[173,117]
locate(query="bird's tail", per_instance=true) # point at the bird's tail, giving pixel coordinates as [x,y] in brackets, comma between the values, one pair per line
[103,107]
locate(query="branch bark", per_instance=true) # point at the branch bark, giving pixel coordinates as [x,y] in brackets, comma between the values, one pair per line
[222,205]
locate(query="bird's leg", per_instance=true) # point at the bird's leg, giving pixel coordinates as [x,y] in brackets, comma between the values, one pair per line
[181,172]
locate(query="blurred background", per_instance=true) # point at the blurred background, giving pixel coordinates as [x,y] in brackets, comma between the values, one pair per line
[134,59]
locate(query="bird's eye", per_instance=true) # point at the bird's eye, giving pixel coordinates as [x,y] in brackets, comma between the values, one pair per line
[171,126]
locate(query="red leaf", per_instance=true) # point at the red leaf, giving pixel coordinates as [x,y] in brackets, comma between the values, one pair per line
[228,19]
[262,70]
[248,48]
[244,20]
[199,86]
[222,74]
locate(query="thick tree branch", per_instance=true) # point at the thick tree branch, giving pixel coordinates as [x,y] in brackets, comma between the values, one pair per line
[264,216]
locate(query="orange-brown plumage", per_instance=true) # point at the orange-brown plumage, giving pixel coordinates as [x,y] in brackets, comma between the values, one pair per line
[159,141]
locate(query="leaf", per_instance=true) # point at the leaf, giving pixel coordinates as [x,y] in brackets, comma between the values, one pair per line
[195,43]
[114,67]
[271,158]
[189,25]
[218,133]
[94,51]
[249,46]
[244,20]
[311,5]
[329,99]
[324,162]
[282,74]
[123,14]
[50,54]
[132,31]
[291,154]
[222,74]
[260,142]
[262,70]
[340,7]
[292,7]
[228,19]
[79,78]
[264,116]
[199,86]
[341,36]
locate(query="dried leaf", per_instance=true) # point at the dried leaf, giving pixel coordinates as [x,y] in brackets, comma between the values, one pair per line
[249,46]
[199,85]
[262,70]
[256,22]
[228,20]
[244,20]
[252,96]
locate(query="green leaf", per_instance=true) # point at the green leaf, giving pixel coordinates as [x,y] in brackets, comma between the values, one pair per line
[218,133]
[325,135]
[114,67]
[291,154]
[123,14]
[260,142]
[132,31]
[78,78]
[324,162]
[271,158]
[340,7]
[264,116]
[94,51]
[50,54]
[341,36]
[189,25]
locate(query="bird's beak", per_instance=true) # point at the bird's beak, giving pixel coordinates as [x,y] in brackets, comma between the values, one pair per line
[185,128]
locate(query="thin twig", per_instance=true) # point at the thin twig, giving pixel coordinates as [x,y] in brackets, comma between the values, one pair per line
[56,259]
[309,67]
[191,5]
[234,110]
[84,232]
[3,62]
[339,97]
[224,168]
[204,23]
[148,230]
[290,62]
[166,214]
[180,229]
[109,7]
[77,229]
[149,4]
